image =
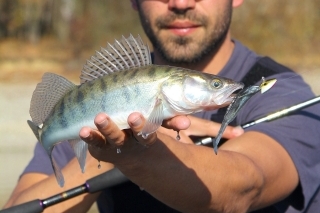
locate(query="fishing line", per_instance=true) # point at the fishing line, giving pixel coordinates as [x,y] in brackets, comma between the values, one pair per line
[294,91]
[292,76]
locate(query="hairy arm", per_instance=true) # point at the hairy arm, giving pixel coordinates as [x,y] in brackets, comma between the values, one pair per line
[249,172]
[33,186]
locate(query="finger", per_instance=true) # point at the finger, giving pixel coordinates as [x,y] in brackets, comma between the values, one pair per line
[232,132]
[174,134]
[95,140]
[109,130]
[92,137]
[136,122]
[177,123]
[202,127]
[229,132]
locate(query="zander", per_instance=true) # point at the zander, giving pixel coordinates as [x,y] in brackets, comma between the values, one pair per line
[119,80]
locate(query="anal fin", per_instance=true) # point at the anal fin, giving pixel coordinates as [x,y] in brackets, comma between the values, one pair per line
[57,171]
[80,149]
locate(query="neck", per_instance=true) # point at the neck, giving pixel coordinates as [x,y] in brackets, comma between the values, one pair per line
[212,63]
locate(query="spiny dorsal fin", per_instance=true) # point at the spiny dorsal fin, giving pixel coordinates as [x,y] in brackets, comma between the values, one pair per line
[123,54]
[46,95]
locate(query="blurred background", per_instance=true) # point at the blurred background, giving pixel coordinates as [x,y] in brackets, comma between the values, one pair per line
[38,36]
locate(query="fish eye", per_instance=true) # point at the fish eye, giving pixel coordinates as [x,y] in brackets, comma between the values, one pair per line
[217,83]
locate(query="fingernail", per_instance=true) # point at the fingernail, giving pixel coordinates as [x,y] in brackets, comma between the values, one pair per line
[103,122]
[137,121]
[237,131]
[84,133]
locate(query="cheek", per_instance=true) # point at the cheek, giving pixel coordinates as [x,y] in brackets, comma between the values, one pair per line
[152,9]
[147,15]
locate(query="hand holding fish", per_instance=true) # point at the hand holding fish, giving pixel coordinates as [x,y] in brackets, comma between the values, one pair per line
[104,141]
[109,137]
[59,108]
[192,129]
[202,127]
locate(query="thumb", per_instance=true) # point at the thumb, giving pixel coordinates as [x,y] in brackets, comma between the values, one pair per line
[232,132]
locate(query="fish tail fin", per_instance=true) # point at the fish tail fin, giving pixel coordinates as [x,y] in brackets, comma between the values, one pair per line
[80,150]
[57,171]
[35,129]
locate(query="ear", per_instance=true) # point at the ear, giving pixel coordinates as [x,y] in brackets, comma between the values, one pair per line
[235,3]
[134,4]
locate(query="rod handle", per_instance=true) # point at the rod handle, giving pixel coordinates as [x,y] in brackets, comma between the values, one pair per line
[33,206]
[105,180]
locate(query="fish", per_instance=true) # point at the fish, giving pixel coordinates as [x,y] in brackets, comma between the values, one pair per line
[118,80]
[238,102]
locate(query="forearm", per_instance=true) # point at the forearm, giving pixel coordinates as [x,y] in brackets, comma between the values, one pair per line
[164,170]
[250,172]
[46,186]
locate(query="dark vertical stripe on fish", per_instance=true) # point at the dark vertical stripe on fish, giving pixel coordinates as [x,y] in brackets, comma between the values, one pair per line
[134,73]
[115,78]
[103,85]
[136,92]
[168,69]
[80,97]
[127,95]
[90,84]
[151,71]
[62,121]
[124,72]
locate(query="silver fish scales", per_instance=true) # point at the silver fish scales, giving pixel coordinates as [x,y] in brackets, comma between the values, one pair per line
[119,80]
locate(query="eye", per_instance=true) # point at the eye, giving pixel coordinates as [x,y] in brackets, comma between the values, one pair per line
[217,83]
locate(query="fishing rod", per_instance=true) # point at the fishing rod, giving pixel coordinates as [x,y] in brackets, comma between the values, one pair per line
[115,176]
[270,117]
[108,179]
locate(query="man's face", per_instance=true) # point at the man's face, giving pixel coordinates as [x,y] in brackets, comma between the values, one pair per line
[184,32]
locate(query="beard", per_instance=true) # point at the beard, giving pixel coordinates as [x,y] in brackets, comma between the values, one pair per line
[184,50]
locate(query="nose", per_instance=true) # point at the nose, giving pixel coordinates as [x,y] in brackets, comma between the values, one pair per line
[181,4]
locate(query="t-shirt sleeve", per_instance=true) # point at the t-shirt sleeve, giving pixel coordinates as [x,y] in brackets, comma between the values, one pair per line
[298,132]
[40,162]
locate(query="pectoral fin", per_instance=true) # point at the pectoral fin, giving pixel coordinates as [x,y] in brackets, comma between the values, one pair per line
[80,149]
[154,121]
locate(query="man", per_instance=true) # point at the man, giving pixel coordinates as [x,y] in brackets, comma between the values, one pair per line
[271,166]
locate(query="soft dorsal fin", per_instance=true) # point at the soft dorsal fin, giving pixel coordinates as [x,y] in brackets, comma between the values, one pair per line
[46,95]
[123,54]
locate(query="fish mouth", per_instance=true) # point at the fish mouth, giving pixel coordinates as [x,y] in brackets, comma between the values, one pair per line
[233,90]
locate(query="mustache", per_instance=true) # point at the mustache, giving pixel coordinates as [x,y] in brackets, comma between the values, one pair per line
[190,15]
